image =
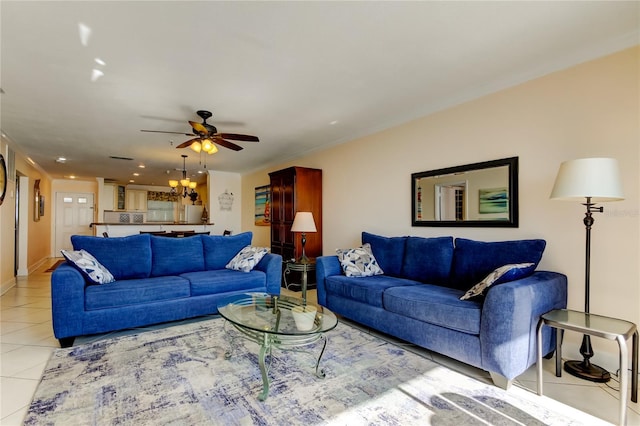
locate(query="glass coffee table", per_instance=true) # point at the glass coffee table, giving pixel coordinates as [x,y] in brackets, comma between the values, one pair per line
[280,322]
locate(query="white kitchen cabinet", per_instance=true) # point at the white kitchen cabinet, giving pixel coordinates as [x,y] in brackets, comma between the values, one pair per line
[136,200]
[108,196]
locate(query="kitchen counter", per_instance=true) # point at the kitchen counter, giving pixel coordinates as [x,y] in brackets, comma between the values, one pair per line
[123,229]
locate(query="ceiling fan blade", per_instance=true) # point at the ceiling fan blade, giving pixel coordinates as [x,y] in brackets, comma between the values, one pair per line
[227,144]
[188,143]
[237,137]
[171,133]
[199,128]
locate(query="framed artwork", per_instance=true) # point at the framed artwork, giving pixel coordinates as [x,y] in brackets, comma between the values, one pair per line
[263,206]
[36,201]
[494,200]
[41,207]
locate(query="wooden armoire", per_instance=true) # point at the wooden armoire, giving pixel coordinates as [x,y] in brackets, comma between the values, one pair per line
[295,189]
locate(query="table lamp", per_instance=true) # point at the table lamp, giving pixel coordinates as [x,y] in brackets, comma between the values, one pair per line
[303,223]
[593,180]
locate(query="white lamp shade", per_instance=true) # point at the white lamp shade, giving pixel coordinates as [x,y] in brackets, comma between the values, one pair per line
[598,178]
[303,222]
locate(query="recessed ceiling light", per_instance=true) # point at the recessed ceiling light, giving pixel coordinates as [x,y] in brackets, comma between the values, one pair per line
[96,74]
[334,122]
[85,33]
[100,61]
[131,180]
[141,166]
[136,174]
[72,177]
[61,160]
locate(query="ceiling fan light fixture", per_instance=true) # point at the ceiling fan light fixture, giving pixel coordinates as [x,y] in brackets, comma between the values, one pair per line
[196,146]
[207,145]
[213,149]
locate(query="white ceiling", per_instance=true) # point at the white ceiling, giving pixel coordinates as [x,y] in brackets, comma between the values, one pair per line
[299,75]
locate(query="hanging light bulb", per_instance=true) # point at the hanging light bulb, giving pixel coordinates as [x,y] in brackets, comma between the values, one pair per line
[207,145]
[196,146]
[213,149]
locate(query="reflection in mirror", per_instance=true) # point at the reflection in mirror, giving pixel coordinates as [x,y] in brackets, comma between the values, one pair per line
[481,194]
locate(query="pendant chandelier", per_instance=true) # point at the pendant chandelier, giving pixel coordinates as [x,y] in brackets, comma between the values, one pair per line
[185,183]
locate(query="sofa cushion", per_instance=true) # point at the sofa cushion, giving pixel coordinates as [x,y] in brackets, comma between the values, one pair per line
[247,258]
[428,260]
[135,292]
[174,256]
[125,257]
[503,274]
[367,290]
[474,260]
[219,249]
[88,266]
[358,262]
[389,252]
[435,305]
[224,280]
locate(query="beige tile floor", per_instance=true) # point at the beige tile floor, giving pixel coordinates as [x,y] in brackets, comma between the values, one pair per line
[27,341]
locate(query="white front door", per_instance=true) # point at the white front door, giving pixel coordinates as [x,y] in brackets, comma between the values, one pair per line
[74,214]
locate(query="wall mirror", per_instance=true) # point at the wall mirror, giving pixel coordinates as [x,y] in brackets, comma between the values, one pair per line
[473,195]
[3,178]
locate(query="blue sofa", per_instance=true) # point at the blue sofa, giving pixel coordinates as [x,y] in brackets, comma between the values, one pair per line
[417,298]
[157,279]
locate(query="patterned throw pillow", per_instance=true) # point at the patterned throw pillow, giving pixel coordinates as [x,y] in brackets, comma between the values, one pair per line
[89,266]
[495,276]
[359,262]
[247,258]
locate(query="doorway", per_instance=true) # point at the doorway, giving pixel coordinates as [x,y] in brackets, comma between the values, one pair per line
[450,201]
[74,215]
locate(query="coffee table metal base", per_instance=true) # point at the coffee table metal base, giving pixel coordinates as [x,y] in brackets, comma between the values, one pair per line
[268,341]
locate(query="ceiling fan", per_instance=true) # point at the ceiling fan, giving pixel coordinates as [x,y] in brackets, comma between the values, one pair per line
[206,136]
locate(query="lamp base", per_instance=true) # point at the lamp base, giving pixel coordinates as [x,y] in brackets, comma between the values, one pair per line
[587,371]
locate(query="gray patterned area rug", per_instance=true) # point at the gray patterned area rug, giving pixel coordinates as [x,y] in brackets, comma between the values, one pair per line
[179,376]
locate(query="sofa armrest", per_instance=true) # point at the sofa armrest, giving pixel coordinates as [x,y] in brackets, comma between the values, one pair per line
[67,301]
[325,267]
[271,264]
[510,314]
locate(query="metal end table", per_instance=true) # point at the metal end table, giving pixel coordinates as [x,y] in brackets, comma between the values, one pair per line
[599,326]
[304,267]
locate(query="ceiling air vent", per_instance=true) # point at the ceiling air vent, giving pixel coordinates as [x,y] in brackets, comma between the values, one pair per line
[120,158]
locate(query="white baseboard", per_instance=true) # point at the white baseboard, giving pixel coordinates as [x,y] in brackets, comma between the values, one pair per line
[7,285]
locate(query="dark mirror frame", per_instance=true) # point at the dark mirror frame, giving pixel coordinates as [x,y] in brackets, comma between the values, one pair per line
[3,176]
[511,222]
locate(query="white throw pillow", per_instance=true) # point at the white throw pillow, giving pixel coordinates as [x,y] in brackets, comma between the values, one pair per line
[247,258]
[359,262]
[89,266]
[490,279]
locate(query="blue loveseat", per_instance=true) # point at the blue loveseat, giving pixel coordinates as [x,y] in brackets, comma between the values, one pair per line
[417,298]
[157,279]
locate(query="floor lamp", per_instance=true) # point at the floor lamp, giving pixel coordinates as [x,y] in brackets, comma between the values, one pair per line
[594,180]
[303,222]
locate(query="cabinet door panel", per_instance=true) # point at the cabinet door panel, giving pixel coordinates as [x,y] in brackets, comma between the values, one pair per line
[289,201]
[276,200]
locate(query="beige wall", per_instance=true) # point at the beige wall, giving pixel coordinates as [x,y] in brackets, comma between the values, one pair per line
[586,111]
[38,234]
